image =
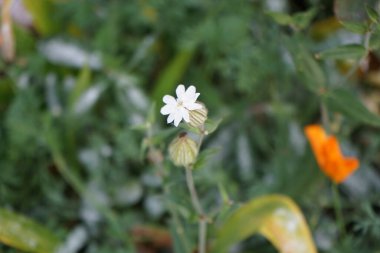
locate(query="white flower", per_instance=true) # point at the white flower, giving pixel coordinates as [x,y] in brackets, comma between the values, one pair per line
[179,108]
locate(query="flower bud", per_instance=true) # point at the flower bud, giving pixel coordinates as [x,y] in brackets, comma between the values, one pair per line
[198,117]
[183,151]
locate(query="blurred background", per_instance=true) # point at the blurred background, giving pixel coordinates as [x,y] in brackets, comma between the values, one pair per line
[83,147]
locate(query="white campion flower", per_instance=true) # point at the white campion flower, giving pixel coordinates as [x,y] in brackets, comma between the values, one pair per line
[179,108]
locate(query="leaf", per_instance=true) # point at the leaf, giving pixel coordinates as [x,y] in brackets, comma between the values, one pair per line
[299,20]
[372,14]
[280,17]
[81,85]
[151,118]
[345,102]
[351,51]
[173,73]
[41,11]
[313,76]
[276,217]
[24,234]
[211,125]
[204,156]
[303,19]
[355,27]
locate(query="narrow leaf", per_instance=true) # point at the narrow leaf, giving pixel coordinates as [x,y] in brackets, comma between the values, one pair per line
[173,73]
[355,27]
[372,14]
[309,69]
[351,51]
[348,104]
[276,217]
[81,85]
[303,19]
[24,234]
[212,125]
[280,17]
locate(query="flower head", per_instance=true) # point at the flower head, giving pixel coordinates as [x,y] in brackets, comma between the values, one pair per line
[328,154]
[179,108]
[183,150]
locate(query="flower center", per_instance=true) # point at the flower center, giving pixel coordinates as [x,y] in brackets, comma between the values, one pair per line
[179,103]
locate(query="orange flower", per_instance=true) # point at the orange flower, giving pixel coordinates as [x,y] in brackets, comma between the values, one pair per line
[328,154]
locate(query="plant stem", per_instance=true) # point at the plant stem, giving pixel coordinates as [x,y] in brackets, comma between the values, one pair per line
[338,209]
[197,206]
[325,117]
[193,193]
[202,235]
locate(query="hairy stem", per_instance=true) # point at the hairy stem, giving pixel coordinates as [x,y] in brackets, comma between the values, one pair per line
[197,206]
[202,236]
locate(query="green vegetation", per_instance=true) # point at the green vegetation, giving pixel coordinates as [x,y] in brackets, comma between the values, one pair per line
[84,161]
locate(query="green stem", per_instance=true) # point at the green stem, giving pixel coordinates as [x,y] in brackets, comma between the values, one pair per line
[325,117]
[193,193]
[338,209]
[202,235]
[197,206]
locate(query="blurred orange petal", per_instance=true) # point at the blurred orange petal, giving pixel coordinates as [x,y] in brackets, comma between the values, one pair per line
[328,154]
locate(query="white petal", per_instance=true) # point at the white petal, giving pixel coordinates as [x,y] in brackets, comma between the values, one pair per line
[185,114]
[170,118]
[192,106]
[170,100]
[177,118]
[167,109]
[190,92]
[191,95]
[180,91]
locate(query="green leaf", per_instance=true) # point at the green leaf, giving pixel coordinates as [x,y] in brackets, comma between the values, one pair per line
[303,19]
[351,51]
[24,234]
[276,217]
[151,119]
[280,17]
[299,20]
[348,104]
[41,11]
[372,14]
[173,73]
[212,125]
[355,27]
[312,74]
[204,156]
[81,85]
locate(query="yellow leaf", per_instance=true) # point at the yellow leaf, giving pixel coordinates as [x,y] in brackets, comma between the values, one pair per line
[276,217]
[22,233]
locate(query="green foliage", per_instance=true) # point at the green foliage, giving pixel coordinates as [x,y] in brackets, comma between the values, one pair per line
[352,51]
[85,146]
[275,217]
[35,238]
